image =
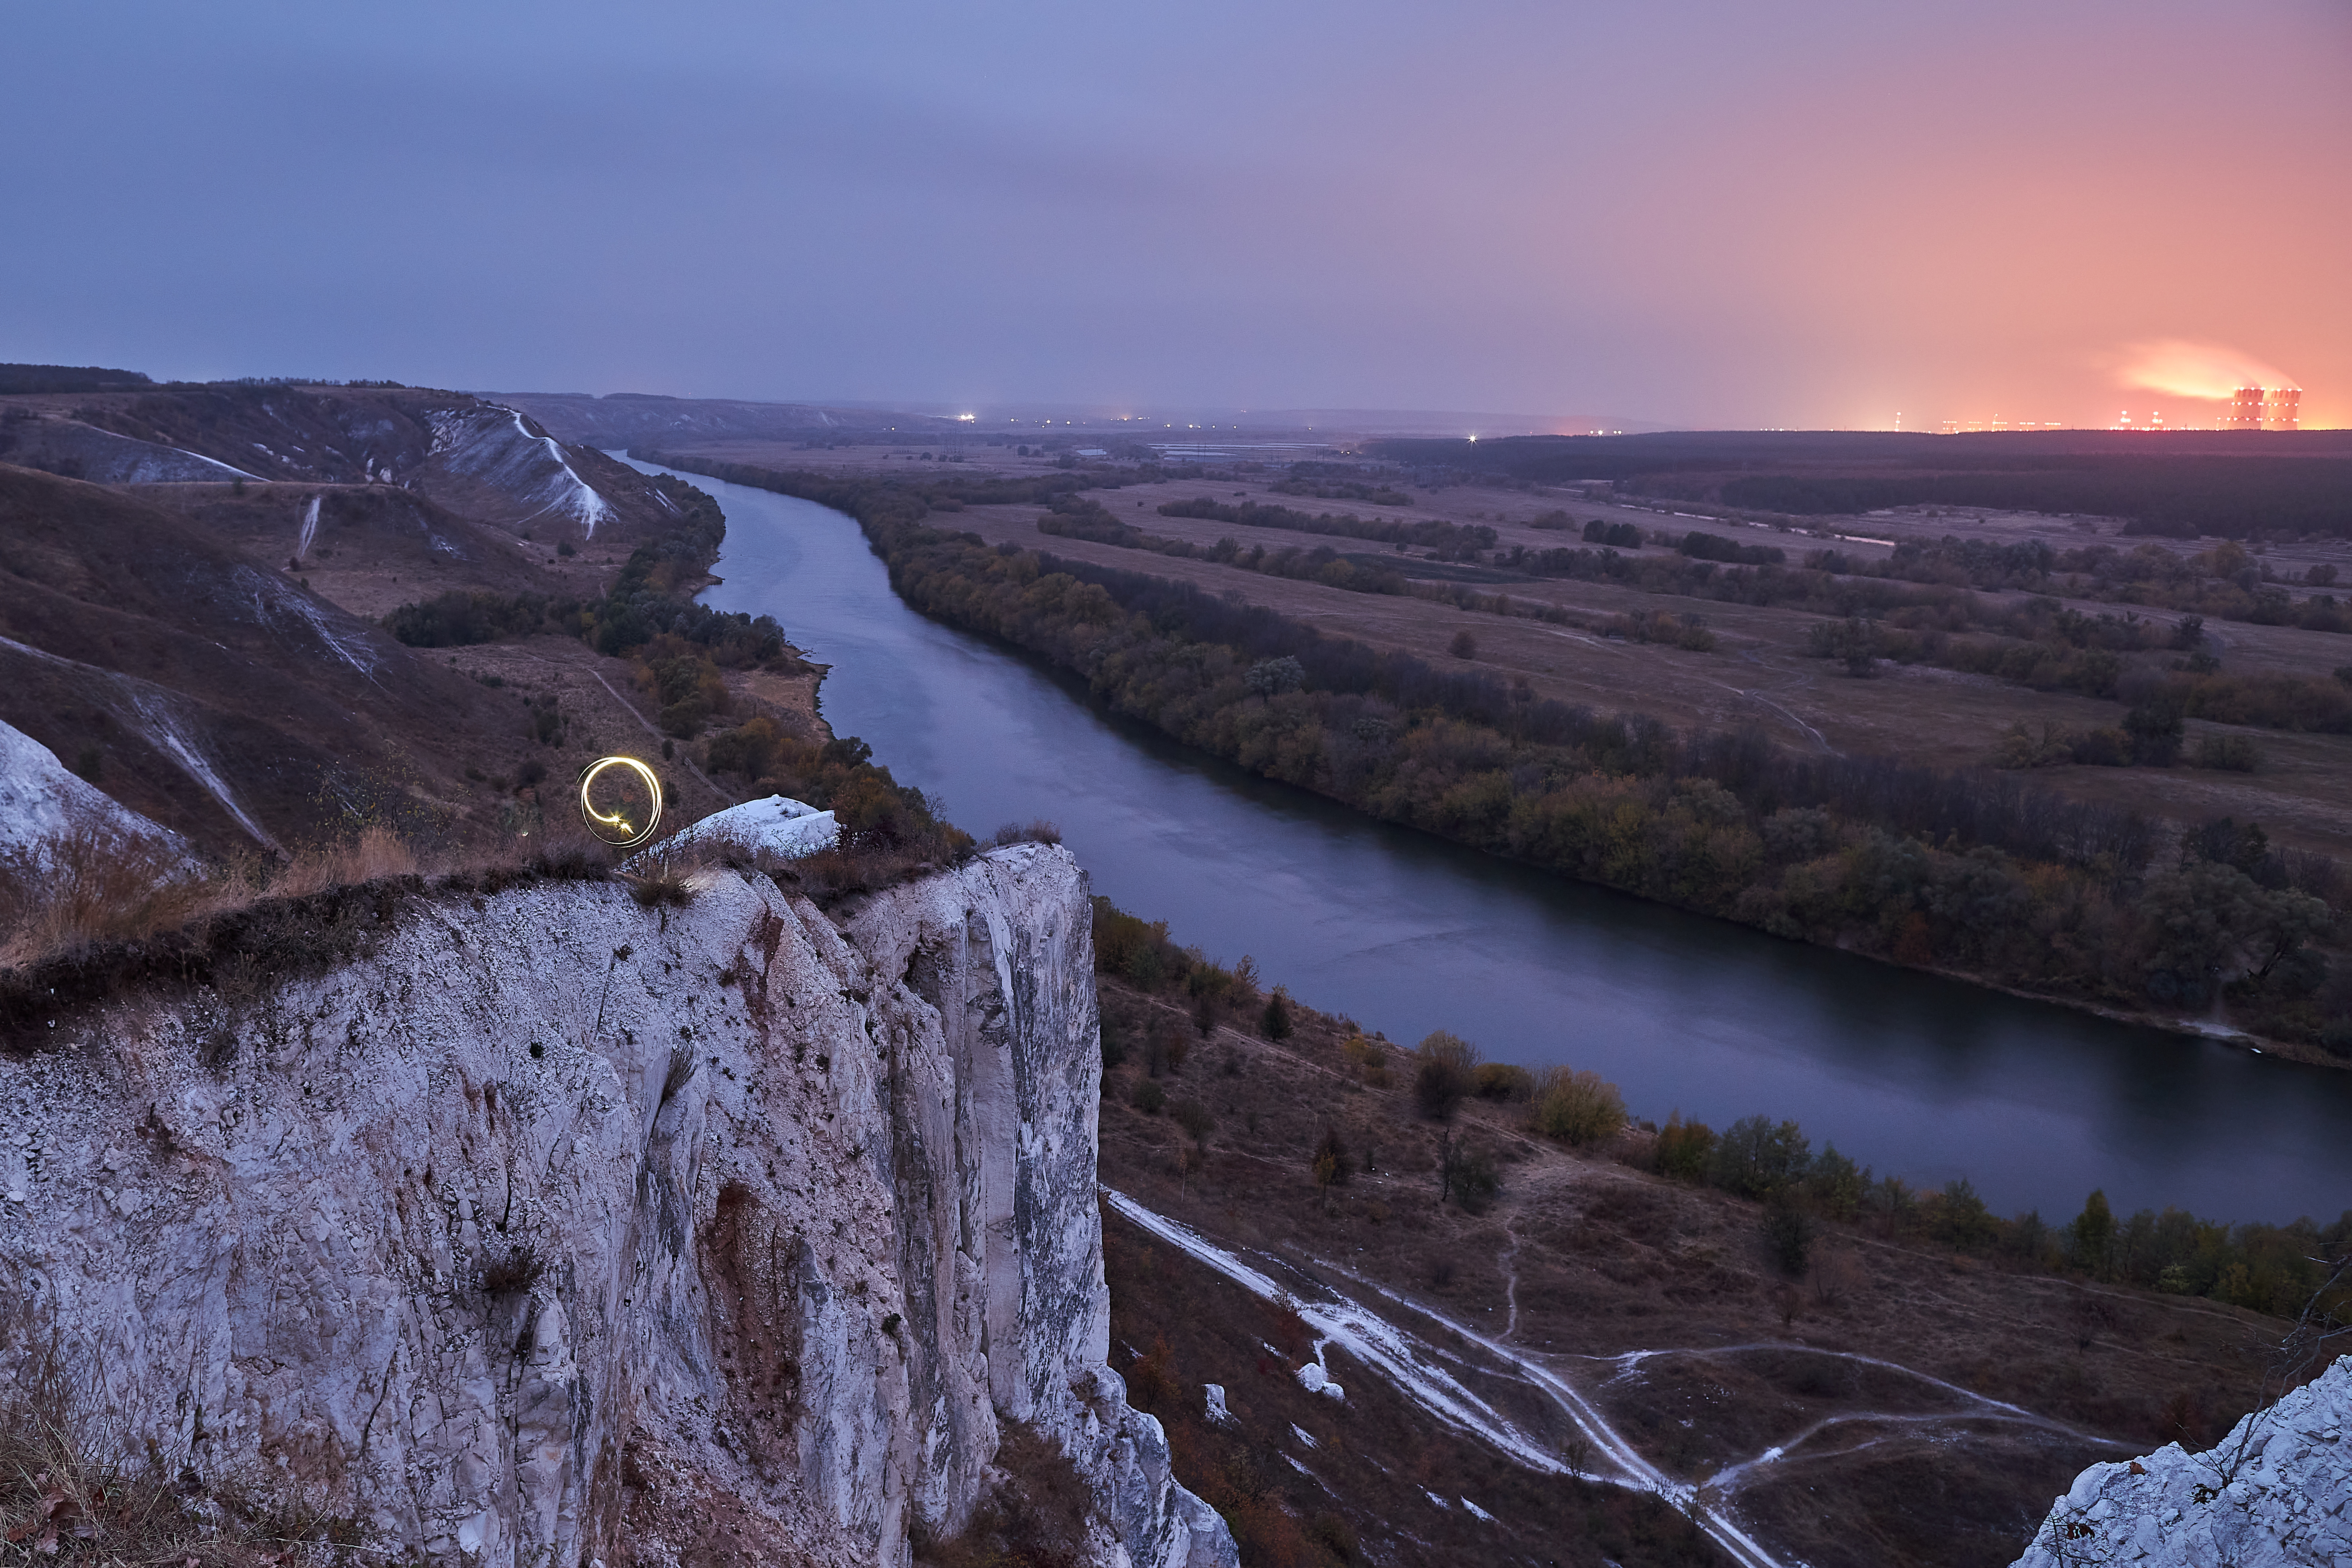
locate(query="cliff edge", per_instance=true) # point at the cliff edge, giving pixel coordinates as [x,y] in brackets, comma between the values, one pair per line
[561,1231]
[2276,1493]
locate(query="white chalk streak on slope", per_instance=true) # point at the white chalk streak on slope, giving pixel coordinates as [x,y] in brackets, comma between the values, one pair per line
[310,528]
[214,462]
[1389,1350]
[481,445]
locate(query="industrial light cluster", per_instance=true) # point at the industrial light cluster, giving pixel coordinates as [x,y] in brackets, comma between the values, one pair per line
[2261,409]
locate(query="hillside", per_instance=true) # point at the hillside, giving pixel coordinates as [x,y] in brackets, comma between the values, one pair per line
[1895,1398]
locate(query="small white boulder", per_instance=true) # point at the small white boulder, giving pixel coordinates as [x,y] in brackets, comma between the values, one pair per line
[779,824]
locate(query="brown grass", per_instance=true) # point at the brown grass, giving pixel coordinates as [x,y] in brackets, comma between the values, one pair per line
[75,1490]
[90,886]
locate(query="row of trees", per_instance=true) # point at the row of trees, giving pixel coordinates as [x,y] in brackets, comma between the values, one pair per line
[2268,1268]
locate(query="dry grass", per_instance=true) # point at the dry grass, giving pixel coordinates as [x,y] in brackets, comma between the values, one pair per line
[373,857]
[90,886]
[74,1488]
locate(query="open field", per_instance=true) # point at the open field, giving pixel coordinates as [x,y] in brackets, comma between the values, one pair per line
[1758,673]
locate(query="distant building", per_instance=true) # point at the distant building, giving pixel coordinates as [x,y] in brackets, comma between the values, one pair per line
[2257,408]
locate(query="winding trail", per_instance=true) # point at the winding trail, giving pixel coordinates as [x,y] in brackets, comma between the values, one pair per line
[1383,1347]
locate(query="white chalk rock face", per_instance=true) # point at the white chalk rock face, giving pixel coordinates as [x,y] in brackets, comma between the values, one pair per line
[552,1230]
[2276,1493]
[41,799]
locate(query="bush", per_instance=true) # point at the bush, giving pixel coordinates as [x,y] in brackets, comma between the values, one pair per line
[1446,1075]
[1578,1107]
[1194,1118]
[1505,1081]
[2229,753]
[1149,1097]
[1683,1148]
[1463,646]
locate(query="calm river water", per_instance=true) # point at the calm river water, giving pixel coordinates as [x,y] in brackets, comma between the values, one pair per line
[1914,1076]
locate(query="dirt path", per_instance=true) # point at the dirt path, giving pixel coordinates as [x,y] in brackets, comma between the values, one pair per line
[1378,1344]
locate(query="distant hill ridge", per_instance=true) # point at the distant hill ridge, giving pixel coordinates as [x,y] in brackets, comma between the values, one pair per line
[34,378]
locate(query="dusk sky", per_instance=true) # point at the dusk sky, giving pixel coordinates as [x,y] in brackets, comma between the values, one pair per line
[1813,213]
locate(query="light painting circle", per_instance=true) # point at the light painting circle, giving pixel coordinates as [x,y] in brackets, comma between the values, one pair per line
[614,826]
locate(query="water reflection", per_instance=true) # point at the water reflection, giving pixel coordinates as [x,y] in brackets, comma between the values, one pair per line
[1914,1076]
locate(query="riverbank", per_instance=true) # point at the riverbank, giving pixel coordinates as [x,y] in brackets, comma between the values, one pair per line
[1972,877]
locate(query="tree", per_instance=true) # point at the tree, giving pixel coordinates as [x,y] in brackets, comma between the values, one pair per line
[1330,1162]
[1276,1022]
[1466,1175]
[2093,1229]
[1756,1158]
[2155,728]
[1683,1148]
[1273,676]
[1446,1076]
[1788,1232]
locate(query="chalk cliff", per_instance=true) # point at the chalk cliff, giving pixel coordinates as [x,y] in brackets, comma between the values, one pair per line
[555,1230]
[2276,1493]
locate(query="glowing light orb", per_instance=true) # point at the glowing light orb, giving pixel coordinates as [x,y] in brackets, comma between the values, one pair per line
[615,827]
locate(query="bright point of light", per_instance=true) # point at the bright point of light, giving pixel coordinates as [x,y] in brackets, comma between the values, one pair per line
[967,418]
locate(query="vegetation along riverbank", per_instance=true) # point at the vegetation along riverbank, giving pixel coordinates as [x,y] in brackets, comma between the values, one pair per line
[1976,874]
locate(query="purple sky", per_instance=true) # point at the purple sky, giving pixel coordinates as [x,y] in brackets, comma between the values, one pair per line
[1807,214]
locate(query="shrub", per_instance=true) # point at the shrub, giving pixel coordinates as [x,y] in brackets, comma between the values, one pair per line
[1505,1081]
[1370,1058]
[2229,753]
[1683,1147]
[1446,1074]
[1149,1097]
[1463,646]
[1579,1107]
[1039,831]
[1194,1118]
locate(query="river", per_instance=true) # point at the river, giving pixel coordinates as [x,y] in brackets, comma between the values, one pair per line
[1918,1077]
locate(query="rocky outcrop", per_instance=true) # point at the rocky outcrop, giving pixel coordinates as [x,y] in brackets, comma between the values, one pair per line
[556,1230]
[2276,1493]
